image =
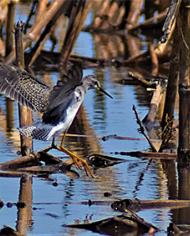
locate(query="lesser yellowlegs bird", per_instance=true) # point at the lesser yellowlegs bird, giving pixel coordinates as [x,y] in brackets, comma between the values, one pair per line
[59,105]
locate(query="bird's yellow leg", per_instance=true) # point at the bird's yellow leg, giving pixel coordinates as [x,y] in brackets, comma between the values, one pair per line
[78,161]
[63,138]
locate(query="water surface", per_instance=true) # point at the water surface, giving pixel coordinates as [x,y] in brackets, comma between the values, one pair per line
[54,205]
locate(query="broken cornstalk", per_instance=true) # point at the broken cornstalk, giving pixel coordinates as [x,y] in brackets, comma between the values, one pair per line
[184,84]
[25,115]
[24,219]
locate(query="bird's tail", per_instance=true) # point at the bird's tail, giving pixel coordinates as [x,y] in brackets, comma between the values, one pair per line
[35,132]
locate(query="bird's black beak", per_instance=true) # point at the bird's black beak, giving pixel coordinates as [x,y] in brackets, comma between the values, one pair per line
[103,91]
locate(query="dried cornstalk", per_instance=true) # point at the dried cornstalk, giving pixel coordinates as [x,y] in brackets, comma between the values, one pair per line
[76,20]
[34,32]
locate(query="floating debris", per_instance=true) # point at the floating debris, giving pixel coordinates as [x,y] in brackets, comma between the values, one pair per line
[102,161]
[136,204]
[8,231]
[181,229]
[118,225]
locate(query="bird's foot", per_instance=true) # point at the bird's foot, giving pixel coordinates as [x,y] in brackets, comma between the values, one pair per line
[78,161]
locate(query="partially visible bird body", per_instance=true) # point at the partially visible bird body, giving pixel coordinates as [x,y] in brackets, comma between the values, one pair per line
[59,104]
[46,131]
[42,131]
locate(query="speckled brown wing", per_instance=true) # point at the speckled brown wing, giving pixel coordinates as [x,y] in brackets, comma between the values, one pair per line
[22,87]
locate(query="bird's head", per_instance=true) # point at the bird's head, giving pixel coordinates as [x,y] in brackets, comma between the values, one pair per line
[90,82]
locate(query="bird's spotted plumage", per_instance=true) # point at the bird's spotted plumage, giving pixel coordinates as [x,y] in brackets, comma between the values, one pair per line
[22,87]
[40,133]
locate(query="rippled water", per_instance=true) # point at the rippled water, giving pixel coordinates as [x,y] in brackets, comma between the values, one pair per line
[54,205]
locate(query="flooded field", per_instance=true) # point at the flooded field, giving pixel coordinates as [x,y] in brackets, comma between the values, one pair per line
[60,199]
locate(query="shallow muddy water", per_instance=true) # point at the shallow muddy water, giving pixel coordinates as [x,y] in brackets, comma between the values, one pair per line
[58,199]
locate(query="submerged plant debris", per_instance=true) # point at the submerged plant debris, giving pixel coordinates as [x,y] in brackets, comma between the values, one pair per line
[118,225]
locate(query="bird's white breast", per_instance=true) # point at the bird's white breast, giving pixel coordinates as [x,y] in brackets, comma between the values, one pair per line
[70,115]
